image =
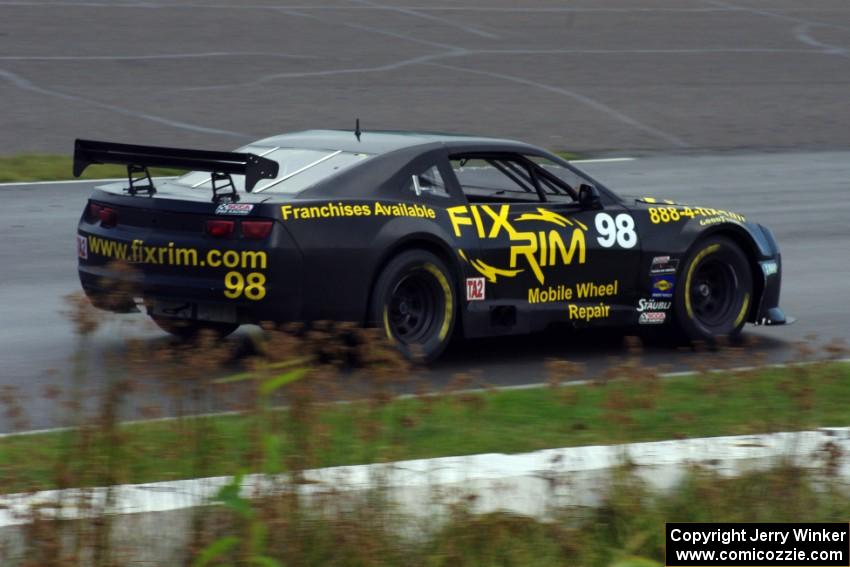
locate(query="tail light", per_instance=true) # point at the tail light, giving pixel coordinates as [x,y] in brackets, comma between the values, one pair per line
[256,229]
[94,212]
[107,216]
[220,228]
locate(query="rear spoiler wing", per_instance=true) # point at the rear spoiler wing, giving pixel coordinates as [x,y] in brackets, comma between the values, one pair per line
[138,158]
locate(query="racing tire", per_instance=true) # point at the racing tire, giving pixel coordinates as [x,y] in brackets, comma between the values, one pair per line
[716,291]
[414,303]
[189,330]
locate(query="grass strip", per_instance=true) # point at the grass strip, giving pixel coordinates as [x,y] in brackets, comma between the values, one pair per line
[505,421]
[40,167]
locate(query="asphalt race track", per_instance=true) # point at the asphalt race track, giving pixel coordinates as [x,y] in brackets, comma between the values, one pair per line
[800,195]
[566,74]
[735,104]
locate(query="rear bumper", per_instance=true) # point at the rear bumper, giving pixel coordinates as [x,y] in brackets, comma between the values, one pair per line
[121,292]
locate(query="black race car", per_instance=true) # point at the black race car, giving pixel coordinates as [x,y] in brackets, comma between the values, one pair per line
[423,235]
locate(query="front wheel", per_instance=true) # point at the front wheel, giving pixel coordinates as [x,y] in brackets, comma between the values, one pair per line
[717,292]
[414,302]
[188,330]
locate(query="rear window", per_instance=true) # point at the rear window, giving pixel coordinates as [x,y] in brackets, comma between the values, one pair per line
[299,169]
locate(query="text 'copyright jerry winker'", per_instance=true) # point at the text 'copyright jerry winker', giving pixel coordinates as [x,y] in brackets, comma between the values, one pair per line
[763,545]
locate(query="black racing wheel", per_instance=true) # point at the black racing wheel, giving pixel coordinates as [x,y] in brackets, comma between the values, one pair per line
[188,330]
[715,291]
[414,303]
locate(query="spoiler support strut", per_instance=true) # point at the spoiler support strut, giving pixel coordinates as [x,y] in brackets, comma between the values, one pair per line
[136,185]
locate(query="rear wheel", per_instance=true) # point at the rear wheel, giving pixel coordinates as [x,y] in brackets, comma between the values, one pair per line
[414,303]
[187,330]
[717,291]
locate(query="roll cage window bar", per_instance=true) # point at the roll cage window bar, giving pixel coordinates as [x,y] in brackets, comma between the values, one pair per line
[528,175]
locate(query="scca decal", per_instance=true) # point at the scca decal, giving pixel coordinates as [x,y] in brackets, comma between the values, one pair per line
[534,250]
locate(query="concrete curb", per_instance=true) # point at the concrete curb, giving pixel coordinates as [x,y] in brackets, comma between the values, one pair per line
[529,483]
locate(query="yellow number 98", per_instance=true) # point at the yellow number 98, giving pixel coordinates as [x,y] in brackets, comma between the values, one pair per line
[256,288]
[235,283]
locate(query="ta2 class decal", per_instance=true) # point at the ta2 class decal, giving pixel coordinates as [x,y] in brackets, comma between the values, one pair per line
[662,286]
[82,247]
[519,241]
[234,209]
[530,247]
[475,289]
[619,230]
[663,265]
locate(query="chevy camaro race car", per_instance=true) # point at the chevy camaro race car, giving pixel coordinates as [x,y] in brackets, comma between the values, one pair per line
[422,235]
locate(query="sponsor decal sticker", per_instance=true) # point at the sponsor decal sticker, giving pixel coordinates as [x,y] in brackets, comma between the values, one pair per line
[589,313]
[475,289]
[652,312]
[244,278]
[652,318]
[82,247]
[663,265]
[533,246]
[662,286]
[653,305]
[584,290]
[346,210]
[676,213]
[234,209]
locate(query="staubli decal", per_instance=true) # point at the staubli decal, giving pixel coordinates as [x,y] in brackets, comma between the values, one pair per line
[342,210]
[653,305]
[530,249]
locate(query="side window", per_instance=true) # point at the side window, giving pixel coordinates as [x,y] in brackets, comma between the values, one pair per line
[429,182]
[494,179]
[567,176]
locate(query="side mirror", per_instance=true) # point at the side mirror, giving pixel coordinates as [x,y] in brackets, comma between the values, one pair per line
[588,197]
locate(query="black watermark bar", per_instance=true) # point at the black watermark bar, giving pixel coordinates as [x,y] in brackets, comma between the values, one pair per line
[758,545]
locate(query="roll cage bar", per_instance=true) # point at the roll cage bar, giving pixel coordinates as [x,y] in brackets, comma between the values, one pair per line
[528,175]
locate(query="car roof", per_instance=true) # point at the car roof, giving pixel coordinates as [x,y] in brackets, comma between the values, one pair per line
[385,141]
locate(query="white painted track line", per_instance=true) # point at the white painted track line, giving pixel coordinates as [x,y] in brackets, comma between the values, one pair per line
[602,160]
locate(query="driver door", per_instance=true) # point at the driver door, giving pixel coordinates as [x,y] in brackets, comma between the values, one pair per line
[543,257]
